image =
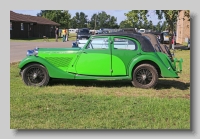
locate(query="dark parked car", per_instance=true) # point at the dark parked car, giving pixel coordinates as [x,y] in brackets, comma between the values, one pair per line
[83,34]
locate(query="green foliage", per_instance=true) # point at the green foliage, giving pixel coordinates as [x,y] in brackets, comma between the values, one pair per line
[171,19]
[125,24]
[59,16]
[187,14]
[79,20]
[103,20]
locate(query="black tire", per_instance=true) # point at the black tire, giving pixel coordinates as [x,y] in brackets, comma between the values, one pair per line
[145,76]
[35,75]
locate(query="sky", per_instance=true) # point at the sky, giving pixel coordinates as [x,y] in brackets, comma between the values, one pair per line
[117,13]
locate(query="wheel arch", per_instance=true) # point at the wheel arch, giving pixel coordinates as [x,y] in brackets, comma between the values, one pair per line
[30,63]
[147,62]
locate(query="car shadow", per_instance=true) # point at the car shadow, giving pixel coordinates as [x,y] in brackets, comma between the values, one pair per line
[162,84]
[181,48]
[168,84]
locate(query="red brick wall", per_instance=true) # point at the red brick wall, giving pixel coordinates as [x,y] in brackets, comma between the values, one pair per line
[183,28]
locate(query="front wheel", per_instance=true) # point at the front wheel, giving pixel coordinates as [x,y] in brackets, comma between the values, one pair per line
[35,75]
[145,76]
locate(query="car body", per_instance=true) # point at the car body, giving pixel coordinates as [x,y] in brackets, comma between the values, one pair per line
[164,37]
[142,30]
[113,56]
[83,34]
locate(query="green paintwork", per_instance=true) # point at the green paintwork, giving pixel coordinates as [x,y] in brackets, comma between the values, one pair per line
[154,57]
[121,58]
[106,64]
[62,58]
[94,62]
[53,71]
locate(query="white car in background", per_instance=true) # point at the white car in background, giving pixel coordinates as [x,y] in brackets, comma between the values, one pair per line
[142,30]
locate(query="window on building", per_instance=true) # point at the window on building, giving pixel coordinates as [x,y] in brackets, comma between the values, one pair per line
[22,26]
[10,25]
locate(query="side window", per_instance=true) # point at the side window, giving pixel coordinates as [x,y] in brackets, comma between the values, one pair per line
[98,43]
[125,44]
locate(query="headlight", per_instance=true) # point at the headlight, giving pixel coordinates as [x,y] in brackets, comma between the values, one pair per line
[32,52]
[29,52]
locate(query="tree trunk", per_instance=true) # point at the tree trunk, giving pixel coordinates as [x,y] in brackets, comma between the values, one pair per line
[171,28]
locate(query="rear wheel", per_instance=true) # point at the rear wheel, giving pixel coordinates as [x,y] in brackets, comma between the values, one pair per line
[145,76]
[35,75]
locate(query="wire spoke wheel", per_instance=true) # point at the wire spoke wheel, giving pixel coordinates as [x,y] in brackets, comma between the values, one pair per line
[35,75]
[145,76]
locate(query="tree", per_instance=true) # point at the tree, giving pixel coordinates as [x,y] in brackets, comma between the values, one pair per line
[187,14]
[59,16]
[158,26]
[170,16]
[125,24]
[73,23]
[83,20]
[171,19]
[103,20]
[164,26]
[150,25]
[135,17]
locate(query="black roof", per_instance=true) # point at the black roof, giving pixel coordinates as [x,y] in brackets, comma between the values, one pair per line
[145,43]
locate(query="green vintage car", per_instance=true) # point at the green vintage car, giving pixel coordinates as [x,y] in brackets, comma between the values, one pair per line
[139,58]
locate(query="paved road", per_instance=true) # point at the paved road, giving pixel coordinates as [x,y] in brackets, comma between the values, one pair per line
[18,49]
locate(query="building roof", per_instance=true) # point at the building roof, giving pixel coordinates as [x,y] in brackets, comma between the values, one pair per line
[31,19]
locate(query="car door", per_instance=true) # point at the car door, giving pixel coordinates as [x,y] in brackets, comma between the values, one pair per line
[124,49]
[95,58]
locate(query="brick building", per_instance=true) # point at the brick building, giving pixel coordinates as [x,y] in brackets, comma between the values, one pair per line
[182,28]
[27,26]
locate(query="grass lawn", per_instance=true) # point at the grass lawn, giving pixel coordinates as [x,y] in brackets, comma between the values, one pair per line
[79,104]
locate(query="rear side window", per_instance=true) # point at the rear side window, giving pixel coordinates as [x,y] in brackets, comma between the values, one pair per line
[125,44]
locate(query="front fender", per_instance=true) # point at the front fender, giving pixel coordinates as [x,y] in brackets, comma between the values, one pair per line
[165,67]
[53,71]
